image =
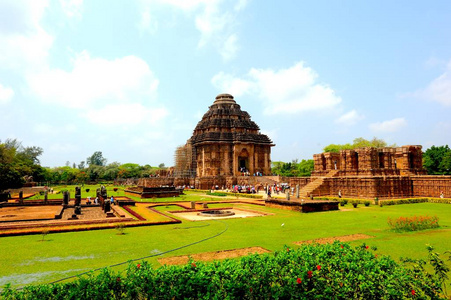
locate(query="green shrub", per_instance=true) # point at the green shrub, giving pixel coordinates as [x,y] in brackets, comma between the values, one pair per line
[220,194]
[413,223]
[367,203]
[333,271]
[402,201]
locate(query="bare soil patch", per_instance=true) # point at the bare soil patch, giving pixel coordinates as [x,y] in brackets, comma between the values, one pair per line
[19,213]
[344,238]
[210,256]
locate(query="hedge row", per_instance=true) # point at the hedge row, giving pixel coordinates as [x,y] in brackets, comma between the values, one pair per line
[333,271]
[402,201]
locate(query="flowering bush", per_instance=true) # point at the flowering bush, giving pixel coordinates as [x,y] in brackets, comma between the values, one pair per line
[413,223]
[333,271]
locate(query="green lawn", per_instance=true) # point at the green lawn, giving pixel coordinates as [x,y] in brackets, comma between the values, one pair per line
[27,259]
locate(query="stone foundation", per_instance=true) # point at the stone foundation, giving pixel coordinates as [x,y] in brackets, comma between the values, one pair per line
[306,206]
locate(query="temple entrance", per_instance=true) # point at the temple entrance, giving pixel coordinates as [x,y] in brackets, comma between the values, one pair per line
[243,161]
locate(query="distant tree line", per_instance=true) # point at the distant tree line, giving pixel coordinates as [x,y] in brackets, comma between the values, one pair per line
[19,164]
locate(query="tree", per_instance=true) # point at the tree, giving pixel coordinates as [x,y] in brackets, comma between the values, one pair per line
[293,168]
[81,165]
[96,159]
[357,143]
[16,162]
[161,166]
[437,160]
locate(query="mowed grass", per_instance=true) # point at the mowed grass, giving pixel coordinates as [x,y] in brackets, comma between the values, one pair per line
[27,259]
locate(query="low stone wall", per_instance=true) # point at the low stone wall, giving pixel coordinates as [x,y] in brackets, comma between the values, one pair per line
[293,181]
[368,187]
[305,206]
[431,186]
[156,181]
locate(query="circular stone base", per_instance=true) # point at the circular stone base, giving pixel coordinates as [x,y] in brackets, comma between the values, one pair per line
[216,213]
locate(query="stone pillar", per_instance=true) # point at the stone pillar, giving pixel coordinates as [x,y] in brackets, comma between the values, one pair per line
[46,197]
[203,161]
[288,194]
[235,164]
[77,196]
[21,197]
[66,198]
[266,170]
[297,190]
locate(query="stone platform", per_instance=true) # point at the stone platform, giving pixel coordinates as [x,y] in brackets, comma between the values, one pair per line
[153,192]
[302,206]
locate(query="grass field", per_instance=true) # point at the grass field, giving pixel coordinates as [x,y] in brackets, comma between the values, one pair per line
[28,259]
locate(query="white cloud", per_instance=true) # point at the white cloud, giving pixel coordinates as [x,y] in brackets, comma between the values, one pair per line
[291,90]
[95,81]
[228,84]
[230,48]
[24,43]
[6,94]
[214,19]
[72,8]
[54,130]
[350,118]
[389,126]
[439,90]
[126,114]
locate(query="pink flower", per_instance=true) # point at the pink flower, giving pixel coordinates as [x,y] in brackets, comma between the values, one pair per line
[318,267]
[299,280]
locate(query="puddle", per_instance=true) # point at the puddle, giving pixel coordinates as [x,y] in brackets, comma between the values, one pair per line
[56,259]
[31,278]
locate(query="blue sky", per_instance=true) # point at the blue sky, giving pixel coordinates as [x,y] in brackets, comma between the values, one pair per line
[133,78]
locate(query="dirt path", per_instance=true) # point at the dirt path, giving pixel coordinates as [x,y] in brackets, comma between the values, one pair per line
[210,256]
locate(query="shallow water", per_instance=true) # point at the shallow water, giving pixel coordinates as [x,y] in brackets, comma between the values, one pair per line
[56,259]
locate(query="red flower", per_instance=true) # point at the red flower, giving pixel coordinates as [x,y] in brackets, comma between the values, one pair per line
[193,265]
[288,249]
[250,289]
[341,246]
[138,266]
[299,280]
[309,274]
[118,279]
[413,292]
[318,267]
[366,247]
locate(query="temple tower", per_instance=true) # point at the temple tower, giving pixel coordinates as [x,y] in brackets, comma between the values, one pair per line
[226,142]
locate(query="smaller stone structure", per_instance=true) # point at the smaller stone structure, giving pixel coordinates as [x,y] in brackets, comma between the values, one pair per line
[153,192]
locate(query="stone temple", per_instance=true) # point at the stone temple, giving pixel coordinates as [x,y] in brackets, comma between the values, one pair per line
[225,144]
[227,148]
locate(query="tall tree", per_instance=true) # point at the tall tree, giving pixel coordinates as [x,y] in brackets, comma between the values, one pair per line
[96,159]
[437,160]
[16,162]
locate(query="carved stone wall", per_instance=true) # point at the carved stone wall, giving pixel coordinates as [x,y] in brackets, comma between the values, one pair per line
[431,186]
[405,160]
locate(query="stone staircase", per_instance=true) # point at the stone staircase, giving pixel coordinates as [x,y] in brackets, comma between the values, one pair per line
[308,189]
